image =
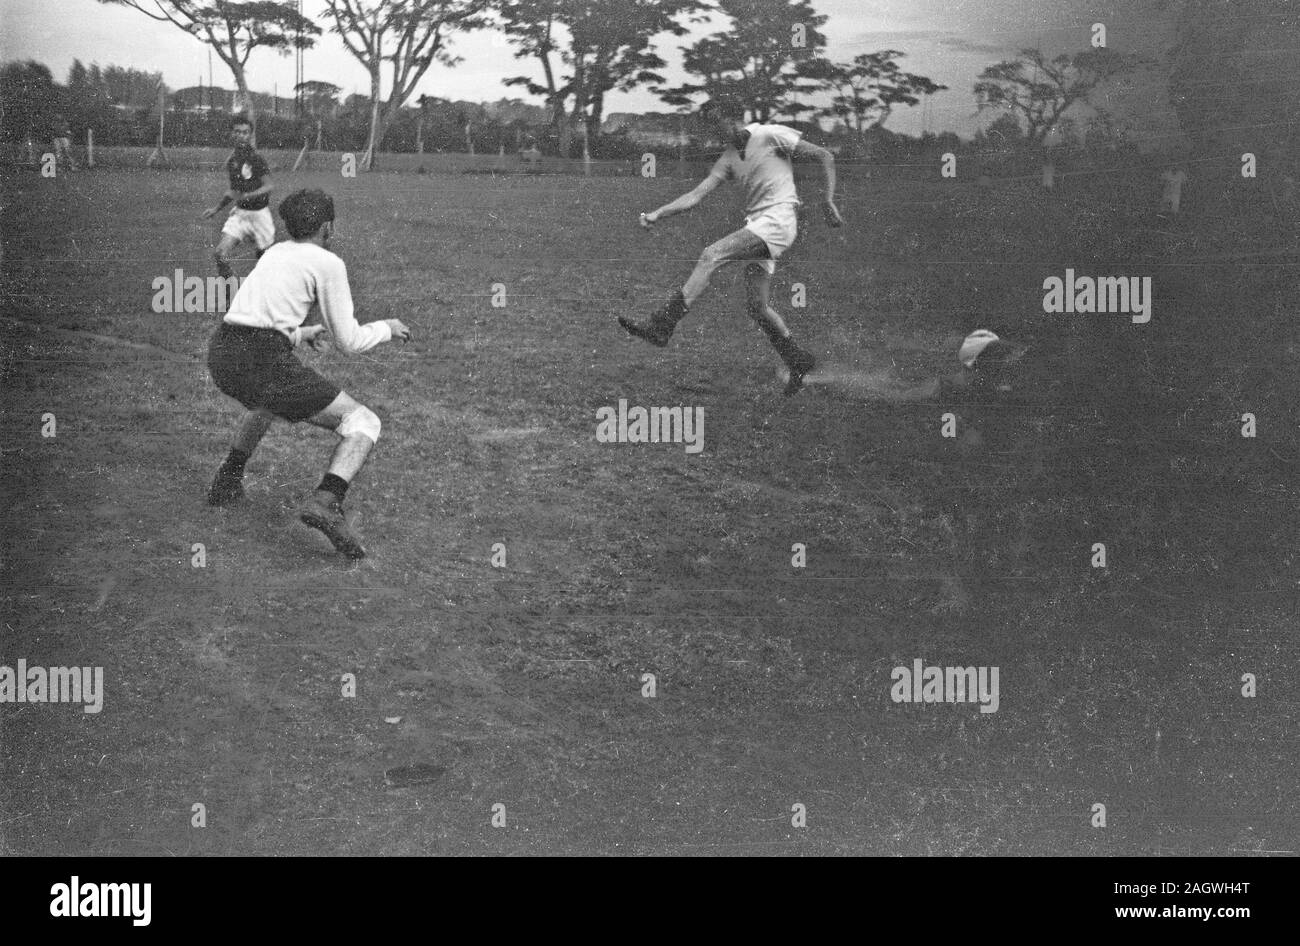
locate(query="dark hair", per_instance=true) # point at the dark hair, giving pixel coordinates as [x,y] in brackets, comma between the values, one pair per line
[723,106]
[240,118]
[306,211]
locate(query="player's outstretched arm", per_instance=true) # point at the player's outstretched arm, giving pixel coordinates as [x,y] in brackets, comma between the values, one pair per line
[335,298]
[809,150]
[683,203]
[227,199]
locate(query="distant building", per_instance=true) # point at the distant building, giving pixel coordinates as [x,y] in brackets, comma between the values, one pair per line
[204,98]
[652,128]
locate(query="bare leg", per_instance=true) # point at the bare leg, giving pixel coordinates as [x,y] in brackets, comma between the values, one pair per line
[251,430]
[742,244]
[758,289]
[324,510]
[221,254]
[351,453]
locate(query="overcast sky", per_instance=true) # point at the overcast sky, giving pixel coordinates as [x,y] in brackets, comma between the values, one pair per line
[950,41]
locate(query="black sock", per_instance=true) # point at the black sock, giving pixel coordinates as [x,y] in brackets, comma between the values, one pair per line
[782,343]
[677,305]
[334,484]
[234,462]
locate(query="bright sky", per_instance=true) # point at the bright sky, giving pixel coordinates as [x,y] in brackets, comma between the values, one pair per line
[950,41]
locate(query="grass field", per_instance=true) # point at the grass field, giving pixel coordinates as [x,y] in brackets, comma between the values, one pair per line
[522,686]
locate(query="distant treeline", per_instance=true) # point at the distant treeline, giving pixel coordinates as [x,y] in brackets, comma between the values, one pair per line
[121,105]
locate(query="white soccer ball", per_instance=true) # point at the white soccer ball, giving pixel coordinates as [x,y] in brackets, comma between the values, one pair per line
[974,344]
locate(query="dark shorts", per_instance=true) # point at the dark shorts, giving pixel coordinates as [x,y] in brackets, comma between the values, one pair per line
[257,367]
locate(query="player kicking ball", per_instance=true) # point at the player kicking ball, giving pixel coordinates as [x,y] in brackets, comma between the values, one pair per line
[759,157]
[250,193]
[251,359]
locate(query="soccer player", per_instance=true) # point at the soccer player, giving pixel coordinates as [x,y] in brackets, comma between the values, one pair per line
[760,158]
[251,359]
[249,192]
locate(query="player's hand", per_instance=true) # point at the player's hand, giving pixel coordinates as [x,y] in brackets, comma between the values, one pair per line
[316,336]
[649,220]
[400,331]
[209,213]
[832,214]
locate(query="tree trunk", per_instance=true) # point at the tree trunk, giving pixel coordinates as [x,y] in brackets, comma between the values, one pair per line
[597,114]
[376,119]
[243,98]
[566,135]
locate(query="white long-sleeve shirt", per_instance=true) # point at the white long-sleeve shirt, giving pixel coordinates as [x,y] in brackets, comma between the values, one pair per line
[290,277]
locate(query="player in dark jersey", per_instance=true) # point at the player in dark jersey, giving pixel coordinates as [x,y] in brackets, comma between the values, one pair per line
[249,192]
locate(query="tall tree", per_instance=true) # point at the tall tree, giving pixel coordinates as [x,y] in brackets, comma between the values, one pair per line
[601,46]
[1039,91]
[29,99]
[233,30]
[319,98]
[758,60]
[132,87]
[866,91]
[535,29]
[409,35]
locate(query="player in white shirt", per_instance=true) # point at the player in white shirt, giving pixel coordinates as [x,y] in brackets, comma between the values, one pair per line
[251,359]
[760,158]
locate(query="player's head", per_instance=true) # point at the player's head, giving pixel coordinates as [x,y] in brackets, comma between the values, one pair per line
[241,129]
[724,115]
[308,213]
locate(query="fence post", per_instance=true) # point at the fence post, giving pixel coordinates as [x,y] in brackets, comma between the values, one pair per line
[1171,196]
[159,156]
[90,147]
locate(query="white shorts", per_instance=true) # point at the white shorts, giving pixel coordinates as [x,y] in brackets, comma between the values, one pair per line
[777,227]
[257,226]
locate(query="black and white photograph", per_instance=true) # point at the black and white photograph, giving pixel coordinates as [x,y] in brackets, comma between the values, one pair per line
[650,428]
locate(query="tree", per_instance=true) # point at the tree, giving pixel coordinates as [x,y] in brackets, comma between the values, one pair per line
[79,79]
[233,30]
[134,88]
[29,100]
[605,45]
[867,90]
[1039,91]
[319,98]
[758,60]
[1004,134]
[409,35]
